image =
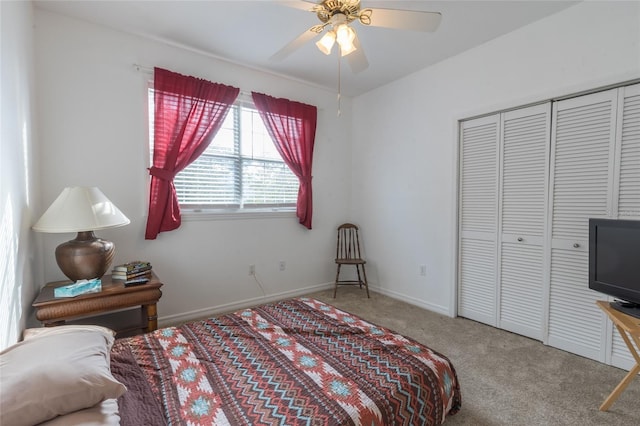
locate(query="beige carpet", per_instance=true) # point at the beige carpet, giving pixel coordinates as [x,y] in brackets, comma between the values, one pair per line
[505,379]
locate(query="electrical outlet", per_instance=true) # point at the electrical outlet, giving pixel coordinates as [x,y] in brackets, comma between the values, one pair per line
[252,269]
[283,265]
[423,270]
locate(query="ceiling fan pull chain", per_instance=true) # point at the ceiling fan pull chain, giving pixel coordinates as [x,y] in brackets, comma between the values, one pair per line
[339,84]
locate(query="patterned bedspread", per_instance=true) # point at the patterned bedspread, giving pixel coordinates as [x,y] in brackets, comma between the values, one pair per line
[296,362]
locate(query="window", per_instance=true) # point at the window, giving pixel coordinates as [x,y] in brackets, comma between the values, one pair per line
[241,168]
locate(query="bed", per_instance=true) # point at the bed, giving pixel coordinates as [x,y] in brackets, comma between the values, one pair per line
[298,361]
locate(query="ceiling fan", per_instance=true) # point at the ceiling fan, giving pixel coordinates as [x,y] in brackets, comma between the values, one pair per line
[338,14]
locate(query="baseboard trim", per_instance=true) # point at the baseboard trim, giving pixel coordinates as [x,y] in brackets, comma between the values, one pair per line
[176,319]
[411,300]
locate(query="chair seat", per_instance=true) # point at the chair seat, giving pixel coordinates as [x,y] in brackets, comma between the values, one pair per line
[351,261]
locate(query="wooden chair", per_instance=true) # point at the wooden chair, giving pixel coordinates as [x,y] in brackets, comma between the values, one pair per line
[348,253]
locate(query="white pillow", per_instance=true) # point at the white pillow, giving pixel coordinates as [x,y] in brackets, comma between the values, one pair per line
[30,333]
[103,414]
[55,372]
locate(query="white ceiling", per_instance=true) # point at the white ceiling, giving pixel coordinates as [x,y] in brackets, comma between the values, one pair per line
[250,32]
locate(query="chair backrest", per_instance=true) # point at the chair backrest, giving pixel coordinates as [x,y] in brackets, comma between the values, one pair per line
[348,245]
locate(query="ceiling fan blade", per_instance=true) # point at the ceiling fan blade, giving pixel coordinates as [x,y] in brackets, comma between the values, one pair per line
[405,19]
[357,59]
[294,45]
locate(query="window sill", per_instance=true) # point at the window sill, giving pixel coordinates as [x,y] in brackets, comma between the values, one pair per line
[208,215]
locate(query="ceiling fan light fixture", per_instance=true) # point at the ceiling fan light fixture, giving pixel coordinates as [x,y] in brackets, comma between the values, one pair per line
[345,35]
[325,44]
[348,48]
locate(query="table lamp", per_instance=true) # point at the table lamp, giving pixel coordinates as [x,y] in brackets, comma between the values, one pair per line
[82,210]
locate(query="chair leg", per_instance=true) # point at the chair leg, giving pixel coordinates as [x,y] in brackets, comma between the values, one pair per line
[358,272]
[366,283]
[335,286]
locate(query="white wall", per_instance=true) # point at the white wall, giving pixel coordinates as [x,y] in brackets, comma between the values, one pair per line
[17,182]
[92,115]
[405,135]
[393,159]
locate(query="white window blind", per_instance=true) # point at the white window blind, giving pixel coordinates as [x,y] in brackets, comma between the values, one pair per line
[240,169]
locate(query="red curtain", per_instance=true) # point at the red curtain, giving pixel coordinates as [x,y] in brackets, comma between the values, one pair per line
[188,113]
[292,125]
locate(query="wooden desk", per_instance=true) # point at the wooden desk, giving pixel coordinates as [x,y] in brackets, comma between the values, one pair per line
[110,307]
[629,329]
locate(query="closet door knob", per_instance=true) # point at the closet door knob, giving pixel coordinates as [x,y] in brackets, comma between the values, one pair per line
[520,239]
[576,245]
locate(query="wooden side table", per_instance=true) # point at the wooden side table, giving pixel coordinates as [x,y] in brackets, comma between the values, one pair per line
[111,307]
[629,329]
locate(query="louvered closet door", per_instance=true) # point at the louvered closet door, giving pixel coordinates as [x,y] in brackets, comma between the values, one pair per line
[627,184]
[581,187]
[478,219]
[525,167]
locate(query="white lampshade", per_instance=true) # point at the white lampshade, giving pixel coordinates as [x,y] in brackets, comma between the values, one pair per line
[325,44]
[79,209]
[345,35]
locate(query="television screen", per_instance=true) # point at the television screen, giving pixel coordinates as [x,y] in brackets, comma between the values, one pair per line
[614,258]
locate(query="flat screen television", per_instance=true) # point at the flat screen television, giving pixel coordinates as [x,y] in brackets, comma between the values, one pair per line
[614,262]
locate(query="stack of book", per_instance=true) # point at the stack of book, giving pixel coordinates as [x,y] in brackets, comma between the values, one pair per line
[136,272]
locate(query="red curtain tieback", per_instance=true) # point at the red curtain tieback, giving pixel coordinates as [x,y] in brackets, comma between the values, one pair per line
[306,179]
[161,173]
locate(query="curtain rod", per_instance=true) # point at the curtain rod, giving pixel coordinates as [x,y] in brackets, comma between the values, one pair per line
[149,70]
[143,69]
